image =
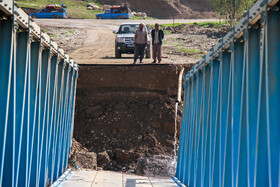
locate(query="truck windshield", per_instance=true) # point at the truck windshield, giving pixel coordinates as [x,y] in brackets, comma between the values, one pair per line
[129,29]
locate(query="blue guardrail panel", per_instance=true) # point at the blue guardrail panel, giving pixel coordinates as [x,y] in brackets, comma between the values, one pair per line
[230,133]
[37,99]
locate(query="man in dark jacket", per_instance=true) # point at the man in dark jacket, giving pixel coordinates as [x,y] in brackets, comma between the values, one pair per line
[157,36]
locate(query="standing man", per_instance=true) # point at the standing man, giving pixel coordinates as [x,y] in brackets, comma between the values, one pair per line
[140,43]
[157,36]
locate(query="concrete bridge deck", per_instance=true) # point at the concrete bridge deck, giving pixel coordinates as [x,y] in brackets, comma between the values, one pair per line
[89,178]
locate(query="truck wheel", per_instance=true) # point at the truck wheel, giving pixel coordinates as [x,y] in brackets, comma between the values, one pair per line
[148,53]
[55,16]
[99,17]
[34,16]
[118,54]
[120,17]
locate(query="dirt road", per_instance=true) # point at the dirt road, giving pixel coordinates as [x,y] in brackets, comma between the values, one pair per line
[98,43]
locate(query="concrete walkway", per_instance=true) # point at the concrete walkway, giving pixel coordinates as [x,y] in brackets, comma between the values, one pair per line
[110,179]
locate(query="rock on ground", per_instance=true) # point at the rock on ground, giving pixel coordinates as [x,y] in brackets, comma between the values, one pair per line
[157,165]
[123,156]
[93,6]
[103,158]
[86,160]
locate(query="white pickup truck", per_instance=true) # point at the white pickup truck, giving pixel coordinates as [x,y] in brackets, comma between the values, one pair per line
[124,42]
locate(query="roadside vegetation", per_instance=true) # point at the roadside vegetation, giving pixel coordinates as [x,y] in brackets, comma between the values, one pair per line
[141,18]
[179,46]
[76,9]
[231,10]
[206,24]
[216,24]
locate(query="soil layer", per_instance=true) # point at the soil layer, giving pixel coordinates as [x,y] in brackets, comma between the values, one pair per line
[127,111]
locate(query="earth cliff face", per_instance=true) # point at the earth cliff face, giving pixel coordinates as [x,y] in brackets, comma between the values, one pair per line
[127,111]
[169,8]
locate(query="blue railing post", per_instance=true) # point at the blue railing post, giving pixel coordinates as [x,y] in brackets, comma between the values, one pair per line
[62,122]
[45,68]
[34,83]
[6,52]
[52,111]
[25,149]
[34,160]
[273,94]
[206,161]
[224,92]
[252,74]
[22,63]
[261,177]
[9,165]
[55,119]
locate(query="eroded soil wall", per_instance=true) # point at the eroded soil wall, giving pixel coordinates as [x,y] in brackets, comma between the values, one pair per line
[127,107]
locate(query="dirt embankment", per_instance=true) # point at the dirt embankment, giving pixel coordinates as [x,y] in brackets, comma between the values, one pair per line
[127,111]
[169,8]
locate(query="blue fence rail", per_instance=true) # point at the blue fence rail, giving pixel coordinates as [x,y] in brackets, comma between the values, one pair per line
[230,134]
[37,98]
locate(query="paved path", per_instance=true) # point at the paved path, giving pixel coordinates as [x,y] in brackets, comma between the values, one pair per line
[111,179]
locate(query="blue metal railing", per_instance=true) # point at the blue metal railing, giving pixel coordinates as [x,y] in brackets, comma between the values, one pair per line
[37,98]
[230,134]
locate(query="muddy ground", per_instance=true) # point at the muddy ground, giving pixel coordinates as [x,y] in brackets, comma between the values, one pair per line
[124,112]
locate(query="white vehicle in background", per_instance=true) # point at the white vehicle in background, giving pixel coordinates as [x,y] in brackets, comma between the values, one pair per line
[124,42]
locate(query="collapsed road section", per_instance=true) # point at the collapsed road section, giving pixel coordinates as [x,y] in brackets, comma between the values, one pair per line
[126,112]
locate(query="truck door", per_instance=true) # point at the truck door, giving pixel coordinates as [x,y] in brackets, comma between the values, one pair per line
[40,14]
[107,14]
[50,14]
[113,13]
[116,12]
[45,14]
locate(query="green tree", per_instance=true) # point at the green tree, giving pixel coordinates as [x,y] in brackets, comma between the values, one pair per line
[232,10]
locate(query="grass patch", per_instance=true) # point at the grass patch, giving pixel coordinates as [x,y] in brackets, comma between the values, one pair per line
[216,24]
[53,35]
[169,40]
[197,56]
[172,25]
[166,32]
[188,51]
[45,29]
[69,32]
[141,18]
[178,44]
[151,26]
[75,9]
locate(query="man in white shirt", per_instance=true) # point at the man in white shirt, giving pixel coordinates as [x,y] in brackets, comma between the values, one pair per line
[140,43]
